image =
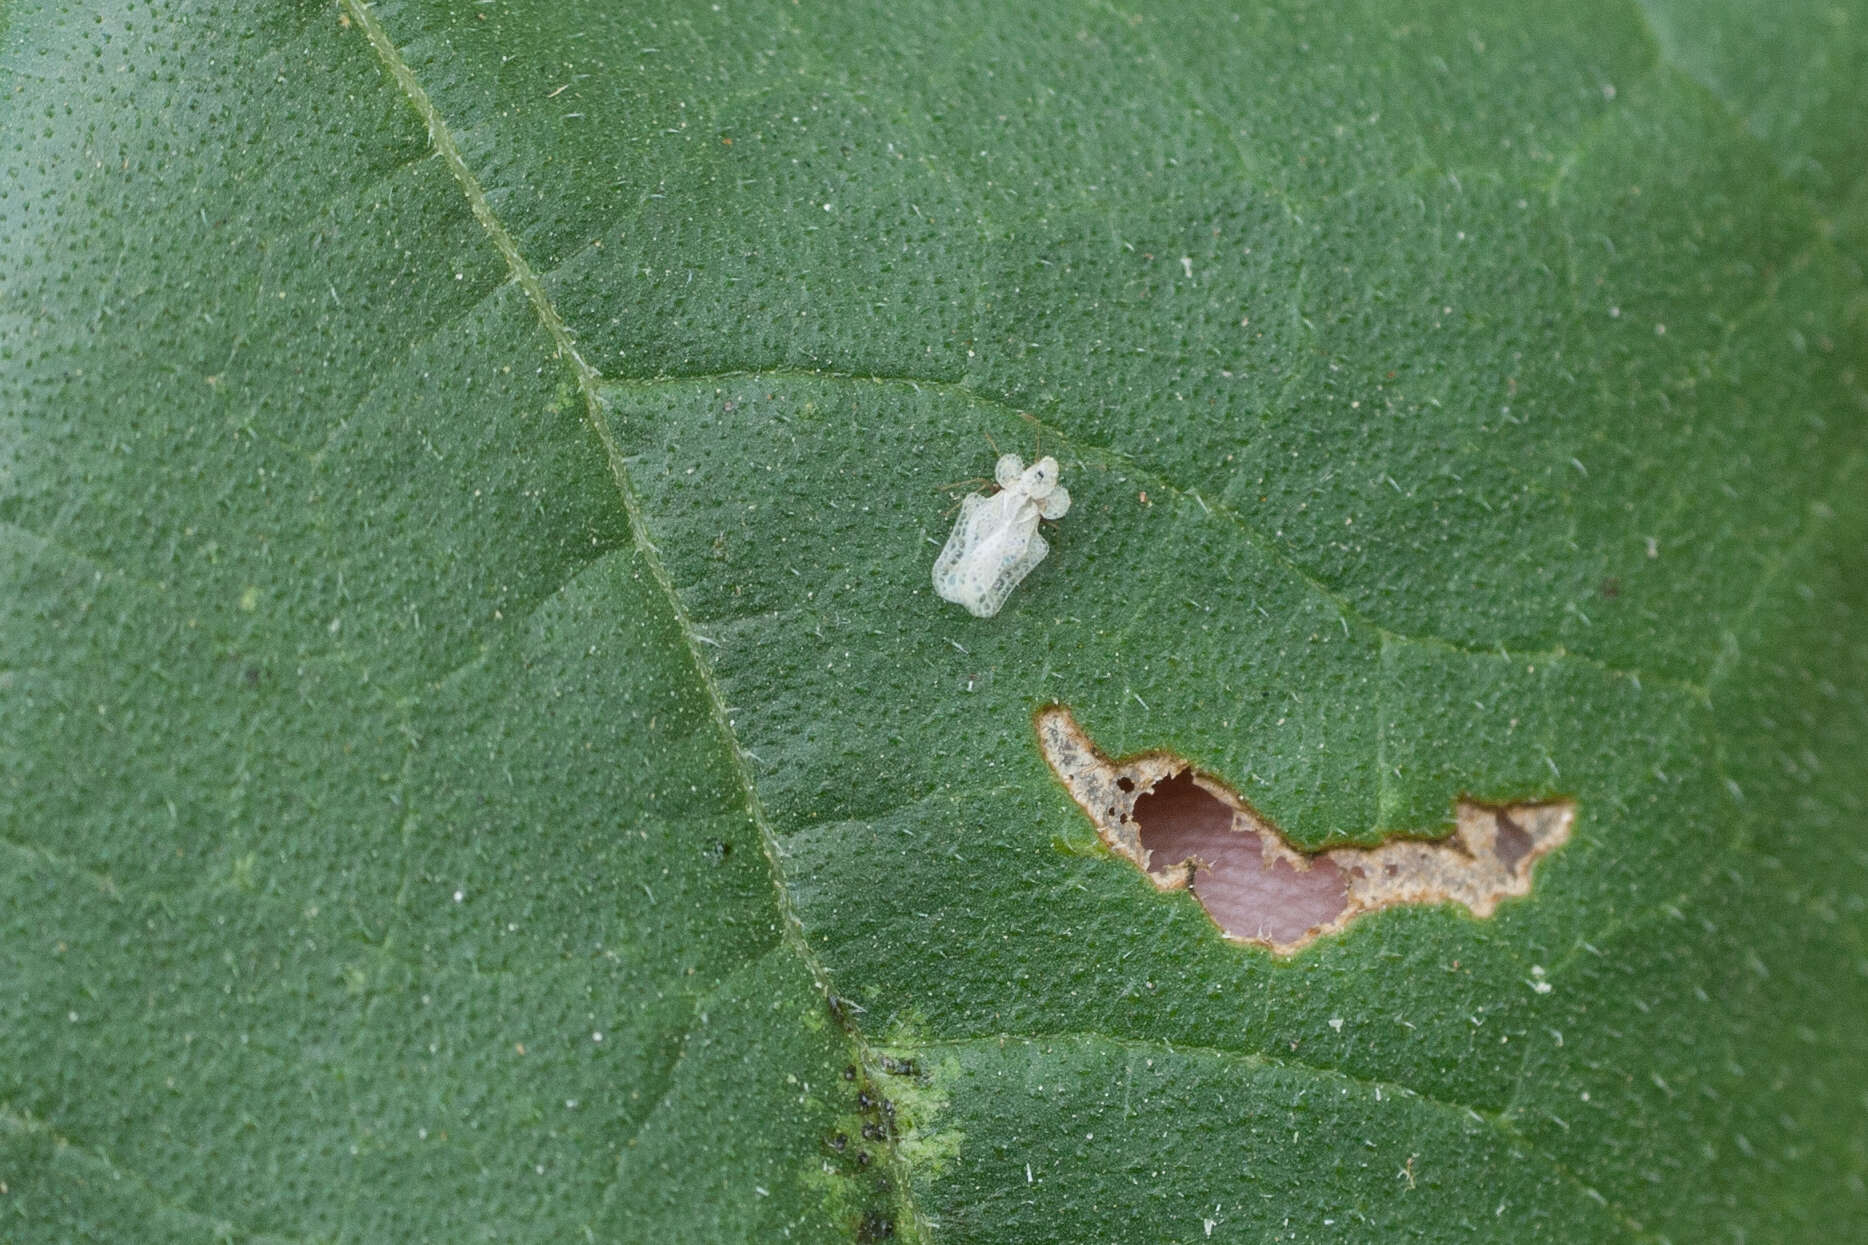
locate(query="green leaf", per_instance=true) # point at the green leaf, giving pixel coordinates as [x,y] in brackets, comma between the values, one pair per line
[481,757]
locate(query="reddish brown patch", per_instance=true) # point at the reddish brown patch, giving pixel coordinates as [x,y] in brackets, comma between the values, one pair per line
[1186,830]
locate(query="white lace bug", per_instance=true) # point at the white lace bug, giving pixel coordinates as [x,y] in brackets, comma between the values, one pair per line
[995,543]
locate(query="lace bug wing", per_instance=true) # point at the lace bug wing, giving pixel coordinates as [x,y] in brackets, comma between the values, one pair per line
[947,565]
[988,553]
[1010,573]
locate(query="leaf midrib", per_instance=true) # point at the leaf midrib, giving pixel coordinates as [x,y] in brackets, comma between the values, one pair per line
[588,381]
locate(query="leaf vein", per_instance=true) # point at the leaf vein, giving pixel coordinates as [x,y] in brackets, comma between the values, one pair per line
[1496,1121]
[1258,539]
[14,1120]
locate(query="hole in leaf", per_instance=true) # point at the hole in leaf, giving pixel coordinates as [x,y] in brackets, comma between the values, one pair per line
[1512,842]
[1186,830]
[1251,895]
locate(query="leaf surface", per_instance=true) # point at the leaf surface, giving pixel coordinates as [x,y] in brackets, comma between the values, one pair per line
[482,757]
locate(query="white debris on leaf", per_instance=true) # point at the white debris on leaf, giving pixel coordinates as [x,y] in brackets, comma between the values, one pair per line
[996,542]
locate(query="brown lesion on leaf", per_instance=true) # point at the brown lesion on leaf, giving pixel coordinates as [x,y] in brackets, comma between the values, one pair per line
[1188,831]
